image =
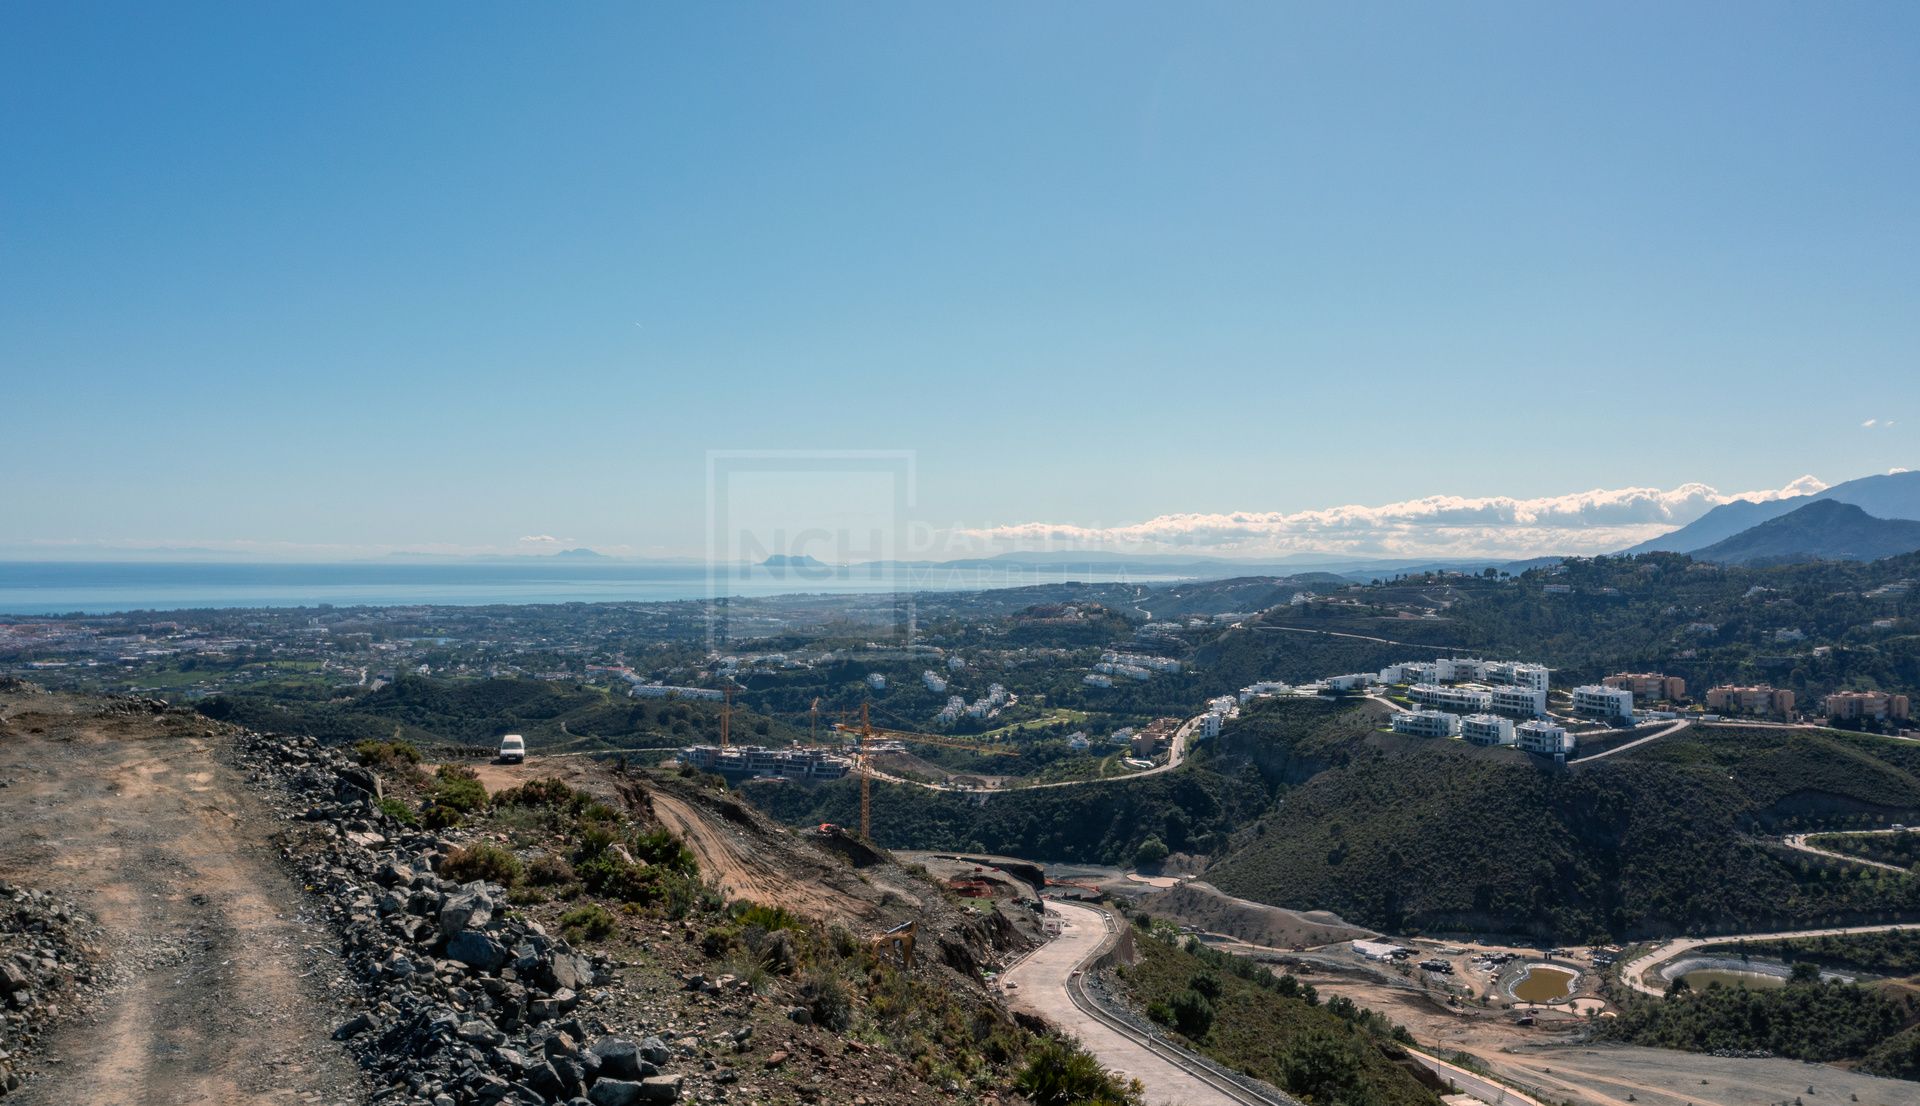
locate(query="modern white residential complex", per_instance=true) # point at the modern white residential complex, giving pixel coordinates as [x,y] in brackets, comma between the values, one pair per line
[1519,701]
[1516,674]
[1451,698]
[1545,738]
[1426,723]
[1602,703]
[1487,729]
[1455,669]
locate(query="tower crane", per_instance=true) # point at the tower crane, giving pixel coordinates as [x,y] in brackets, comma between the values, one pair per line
[868,732]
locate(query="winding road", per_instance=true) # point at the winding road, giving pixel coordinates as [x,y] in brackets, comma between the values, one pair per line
[1638,967]
[1047,983]
[1799,841]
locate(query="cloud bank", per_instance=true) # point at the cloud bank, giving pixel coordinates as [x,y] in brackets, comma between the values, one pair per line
[1598,521]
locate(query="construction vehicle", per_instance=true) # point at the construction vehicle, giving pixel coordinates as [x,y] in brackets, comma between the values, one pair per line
[897,941]
[861,758]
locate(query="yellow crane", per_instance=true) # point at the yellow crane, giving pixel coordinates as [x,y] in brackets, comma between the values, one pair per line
[861,759]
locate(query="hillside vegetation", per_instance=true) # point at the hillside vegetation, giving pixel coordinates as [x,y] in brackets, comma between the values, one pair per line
[1436,835]
[1274,1029]
[477,711]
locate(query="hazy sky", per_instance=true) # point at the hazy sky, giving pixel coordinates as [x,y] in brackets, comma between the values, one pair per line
[453,275]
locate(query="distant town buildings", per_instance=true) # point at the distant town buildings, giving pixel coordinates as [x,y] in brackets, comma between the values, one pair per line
[1603,704]
[1263,689]
[811,763]
[1516,674]
[1759,699]
[1154,738]
[1876,705]
[1648,687]
[934,682]
[664,691]
[876,681]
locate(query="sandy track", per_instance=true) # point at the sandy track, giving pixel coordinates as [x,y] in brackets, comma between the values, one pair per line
[728,859]
[218,995]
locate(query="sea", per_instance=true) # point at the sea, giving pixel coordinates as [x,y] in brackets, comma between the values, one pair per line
[102,587]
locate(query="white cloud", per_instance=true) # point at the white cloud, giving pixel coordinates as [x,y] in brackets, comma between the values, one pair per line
[1870,423]
[542,539]
[1600,520]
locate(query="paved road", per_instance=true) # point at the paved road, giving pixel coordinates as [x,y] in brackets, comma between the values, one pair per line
[1177,753]
[1668,732]
[1680,946]
[1268,629]
[1038,985]
[1479,1086]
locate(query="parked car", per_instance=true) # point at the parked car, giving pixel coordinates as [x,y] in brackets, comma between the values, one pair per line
[513,749]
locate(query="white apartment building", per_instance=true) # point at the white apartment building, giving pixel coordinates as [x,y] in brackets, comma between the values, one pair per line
[1451,698]
[933,681]
[1095,679]
[1263,689]
[1426,723]
[1487,729]
[1597,701]
[1210,724]
[1544,738]
[1524,702]
[1459,668]
[876,681]
[1351,682]
[1516,673]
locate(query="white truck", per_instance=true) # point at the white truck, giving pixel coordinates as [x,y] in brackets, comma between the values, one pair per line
[513,749]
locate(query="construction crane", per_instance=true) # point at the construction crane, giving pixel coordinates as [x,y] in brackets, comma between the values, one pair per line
[862,758]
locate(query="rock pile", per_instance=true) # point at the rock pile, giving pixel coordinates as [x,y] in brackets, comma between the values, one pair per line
[463,1001]
[46,954]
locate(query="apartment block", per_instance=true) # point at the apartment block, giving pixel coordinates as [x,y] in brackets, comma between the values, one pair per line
[1521,702]
[1451,698]
[1602,703]
[1877,705]
[1648,687]
[1426,723]
[1487,729]
[1758,699]
[1544,738]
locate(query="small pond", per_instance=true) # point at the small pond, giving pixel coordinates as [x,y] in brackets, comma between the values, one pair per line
[1544,984]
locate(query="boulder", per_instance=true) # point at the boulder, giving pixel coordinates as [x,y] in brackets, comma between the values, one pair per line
[621,1059]
[661,1088]
[618,1092]
[468,908]
[477,950]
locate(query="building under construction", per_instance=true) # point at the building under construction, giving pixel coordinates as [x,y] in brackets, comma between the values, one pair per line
[795,763]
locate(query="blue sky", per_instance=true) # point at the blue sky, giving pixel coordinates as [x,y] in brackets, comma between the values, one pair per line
[346,278]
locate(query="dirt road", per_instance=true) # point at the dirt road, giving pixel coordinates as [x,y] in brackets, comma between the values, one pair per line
[219,994]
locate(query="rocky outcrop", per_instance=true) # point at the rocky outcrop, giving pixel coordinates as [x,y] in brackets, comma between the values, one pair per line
[462,1002]
[47,949]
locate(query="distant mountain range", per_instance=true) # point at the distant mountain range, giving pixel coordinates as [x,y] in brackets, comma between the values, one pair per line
[1893,496]
[1825,529]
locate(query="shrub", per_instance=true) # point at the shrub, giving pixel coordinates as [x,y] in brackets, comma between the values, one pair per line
[399,812]
[1192,1013]
[1058,1074]
[540,792]
[482,860]
[591,922]
[549,869]
[766,917]
[459,788]
[827,999]
[1151,852]
[386,755]
[660,847]
[439,817]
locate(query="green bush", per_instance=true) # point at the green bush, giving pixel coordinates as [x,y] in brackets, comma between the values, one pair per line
[438,816]
[1058,1074]
[591,922]
[399,811]
[828,1001]
[549,870]
[660,847]
[482,860]
[459,788]
[386,755]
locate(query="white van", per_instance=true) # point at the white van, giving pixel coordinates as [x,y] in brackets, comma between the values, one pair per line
[513,749]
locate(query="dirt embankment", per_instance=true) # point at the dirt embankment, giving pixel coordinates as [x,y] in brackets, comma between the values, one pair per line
[218,975]
[1206,907]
